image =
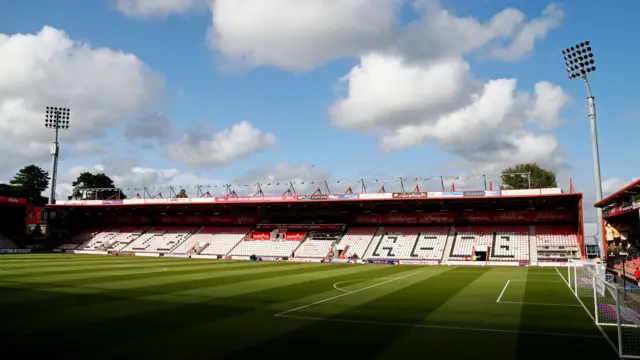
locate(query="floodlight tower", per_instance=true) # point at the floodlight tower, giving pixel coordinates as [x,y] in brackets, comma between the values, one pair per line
[56,118]
[580,64]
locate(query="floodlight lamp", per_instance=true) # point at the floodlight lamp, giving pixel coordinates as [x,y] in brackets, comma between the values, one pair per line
[579,60]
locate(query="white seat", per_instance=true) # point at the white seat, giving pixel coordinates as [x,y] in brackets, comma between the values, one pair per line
[557,242]
[314,249]
[219,240]
[161,239]
[409,243]
[503,243]
[115,238]
[357,240]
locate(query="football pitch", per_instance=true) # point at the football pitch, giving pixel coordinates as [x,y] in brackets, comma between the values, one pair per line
[93,307]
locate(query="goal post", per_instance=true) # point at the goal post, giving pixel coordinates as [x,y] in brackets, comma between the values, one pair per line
[617,317]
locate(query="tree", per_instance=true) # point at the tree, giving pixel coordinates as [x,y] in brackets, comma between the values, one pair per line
[540,178]
[30,182]
[87,184]
[182,194]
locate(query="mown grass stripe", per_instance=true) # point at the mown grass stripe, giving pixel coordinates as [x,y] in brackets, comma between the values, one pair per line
[49,267]
[408,305]
[130,271]
[240,292]
[94,277]
[38,309]
[126,283]
[257,315]
[71,270]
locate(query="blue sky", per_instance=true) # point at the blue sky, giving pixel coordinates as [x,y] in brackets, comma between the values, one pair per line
[207,89]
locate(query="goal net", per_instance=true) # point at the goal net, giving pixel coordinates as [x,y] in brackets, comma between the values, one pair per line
[615,312]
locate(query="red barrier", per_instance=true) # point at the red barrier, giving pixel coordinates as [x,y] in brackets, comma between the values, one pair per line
[472,217]
[479,217]
[294,236]
[518,216]
[427,218]
[336,227]
[251,199]
[261,236]
[12,200]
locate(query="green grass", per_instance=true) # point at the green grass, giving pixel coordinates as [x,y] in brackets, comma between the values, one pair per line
[89,307]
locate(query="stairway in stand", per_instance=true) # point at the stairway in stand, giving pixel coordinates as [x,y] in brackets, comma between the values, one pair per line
[533,246]
[447,249]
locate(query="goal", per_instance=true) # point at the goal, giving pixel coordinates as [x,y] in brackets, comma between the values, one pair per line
[615,313]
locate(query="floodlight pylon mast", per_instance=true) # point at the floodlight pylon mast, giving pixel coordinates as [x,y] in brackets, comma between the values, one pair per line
[56,118]
[580,64]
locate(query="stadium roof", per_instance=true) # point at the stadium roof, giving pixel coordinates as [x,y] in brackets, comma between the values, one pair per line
[438,197]
[620,195]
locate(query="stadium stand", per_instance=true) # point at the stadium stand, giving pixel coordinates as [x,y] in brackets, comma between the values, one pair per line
[265,248]
[557,243]
[317,245]
[213,240]
[431,244]
[357,240]
[556,237]
[161,239]
[115,238]
[409,243]
[468,239]
[6,243]
[504,243]
[79,239]
[510,243]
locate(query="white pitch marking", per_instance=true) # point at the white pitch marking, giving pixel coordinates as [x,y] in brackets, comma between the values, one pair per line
[563,279]
[503,290]
[335,286]
[540,304]
[421,326]
[536,281]
[345,294]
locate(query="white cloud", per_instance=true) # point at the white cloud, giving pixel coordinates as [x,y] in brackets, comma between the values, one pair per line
[611,185]
[275,179]
[300,35]
[159,8]
[155,127]
[413,83]
[132,178]
[128,175]
[220,148]
[411,104]
[101,86]
[524,41]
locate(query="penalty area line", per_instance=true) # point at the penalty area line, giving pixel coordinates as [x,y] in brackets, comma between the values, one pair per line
[345,294]
[438,327]
[503,290]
